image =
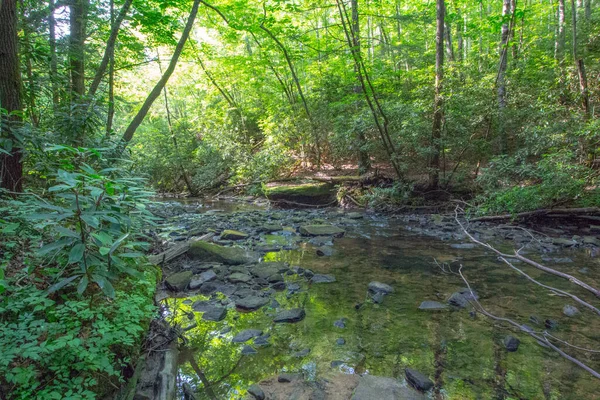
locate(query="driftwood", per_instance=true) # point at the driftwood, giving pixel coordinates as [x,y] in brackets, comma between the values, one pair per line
[175,251]
[548,212]
[526,260]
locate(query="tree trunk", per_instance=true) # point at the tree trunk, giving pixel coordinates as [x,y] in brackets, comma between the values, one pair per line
[438,112]
[559,50]
[505,35]
[579,64]
[11,168]
[449,47]
[110,47]
[78,20]
[53,58]
[364,163]
[26,52]
[111,78]
[141,114]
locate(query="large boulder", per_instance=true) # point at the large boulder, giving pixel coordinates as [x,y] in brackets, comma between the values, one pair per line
[212,252]
[382,388]
[251,303]
[179,281]
[308,193]
[321,230]
[418,380]
[290,316]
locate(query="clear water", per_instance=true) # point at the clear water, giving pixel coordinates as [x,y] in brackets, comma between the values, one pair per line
[462,353]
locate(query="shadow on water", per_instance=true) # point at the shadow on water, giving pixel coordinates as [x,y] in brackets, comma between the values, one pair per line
[463,352]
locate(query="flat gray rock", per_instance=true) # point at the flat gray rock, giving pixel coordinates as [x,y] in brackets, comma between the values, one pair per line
[215,314]
[205,276]
[290,316]
[418,380]
[179,281]
[238,277]
[432,306]
[251,302]
[246,335]
[378,287]
[381,388]
[321,230]
[319,278]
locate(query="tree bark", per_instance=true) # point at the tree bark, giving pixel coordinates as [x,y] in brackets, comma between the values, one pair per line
[364,163]
[53,58]
[11,167]
[110,115]
[141,114]
[78,21]
[559,49]
[579,64]
[110,47]
[438,112]
[505,35]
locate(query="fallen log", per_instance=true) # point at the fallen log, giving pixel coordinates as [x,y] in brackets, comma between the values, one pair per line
[175,251]
[548,212]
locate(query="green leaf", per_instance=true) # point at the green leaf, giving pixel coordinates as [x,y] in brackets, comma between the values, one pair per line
[66,232]
[76,253]
[90,220]
[104,250]
[105,285]
[116,244]
[83,283]
[54,246]
[61,284]
[132,255]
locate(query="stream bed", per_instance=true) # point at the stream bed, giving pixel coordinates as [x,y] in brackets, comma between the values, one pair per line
[344,324]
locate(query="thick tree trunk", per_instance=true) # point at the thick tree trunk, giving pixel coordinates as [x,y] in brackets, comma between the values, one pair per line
[78,21]
[26,52]
[110,47]
[438,112]
[11,168]
[364,163]
[53,57]
[559,50]
[505,35]
[579,64]
[111,78]
[141,114]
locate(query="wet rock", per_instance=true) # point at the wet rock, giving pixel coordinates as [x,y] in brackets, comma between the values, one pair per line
[286,378]
[593,240]
[378,287]
[340,341]
[336,363]
[251,303]
[198,280]
[418,380]
[321,230]
[382,388]
[215,314]
[463,246]
[293,287]
[275,304]
[290,316]
[246,335]
[267,269]
[584,270]
[377,297]
[432,306]
[511,343]
[551,324]
[262,341]
[225,330]
[340,323]
[256,392]
[271,228]
[301,353]
[275,278]
[213,252]
[462,298]
[238,277]
[229,234]
[179,281]
[321,241]
[308,273]
[245,292]
[354,215]
[324,251]
[278,286]
[248,350]
[570,311]
[564,242]
[319,278]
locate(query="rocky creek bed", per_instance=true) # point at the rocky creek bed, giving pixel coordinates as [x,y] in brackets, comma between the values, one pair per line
[334,304]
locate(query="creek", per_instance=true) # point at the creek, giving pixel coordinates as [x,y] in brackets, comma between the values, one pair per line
[347,330]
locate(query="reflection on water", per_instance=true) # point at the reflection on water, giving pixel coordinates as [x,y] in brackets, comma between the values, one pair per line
[462,351]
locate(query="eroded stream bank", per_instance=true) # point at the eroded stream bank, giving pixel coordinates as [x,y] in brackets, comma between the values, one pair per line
[337,305]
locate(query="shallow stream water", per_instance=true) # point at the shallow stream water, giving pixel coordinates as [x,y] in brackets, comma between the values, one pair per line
[461,351]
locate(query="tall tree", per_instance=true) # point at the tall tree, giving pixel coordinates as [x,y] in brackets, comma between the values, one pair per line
[156,91]
[11,168]
[501,81]
[438,105]
[559,48]
[364,163]
[53,56]
[78,10]
[579,64]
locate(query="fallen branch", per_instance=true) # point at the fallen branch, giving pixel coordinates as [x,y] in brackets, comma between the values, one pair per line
[537,265]
[542,339]
[548,212]
[175,251]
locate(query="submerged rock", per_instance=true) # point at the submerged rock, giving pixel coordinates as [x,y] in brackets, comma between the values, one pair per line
[215,313]
[238,277]
[290,316]
[319,278]
[378,287]
[340,341]
[340,323]
[179,281]
[432,306]
[246,335]
[229,234]
[301,353]
[247,350]
[463,246]
[570,311]
[256,392]
[462,298]
[286,378]
[324,251]
[511,343]
[418,380]
[321,230]
[551,324]
[382,388]
[267,269]
[251,303]
[213,252]
[198,280]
